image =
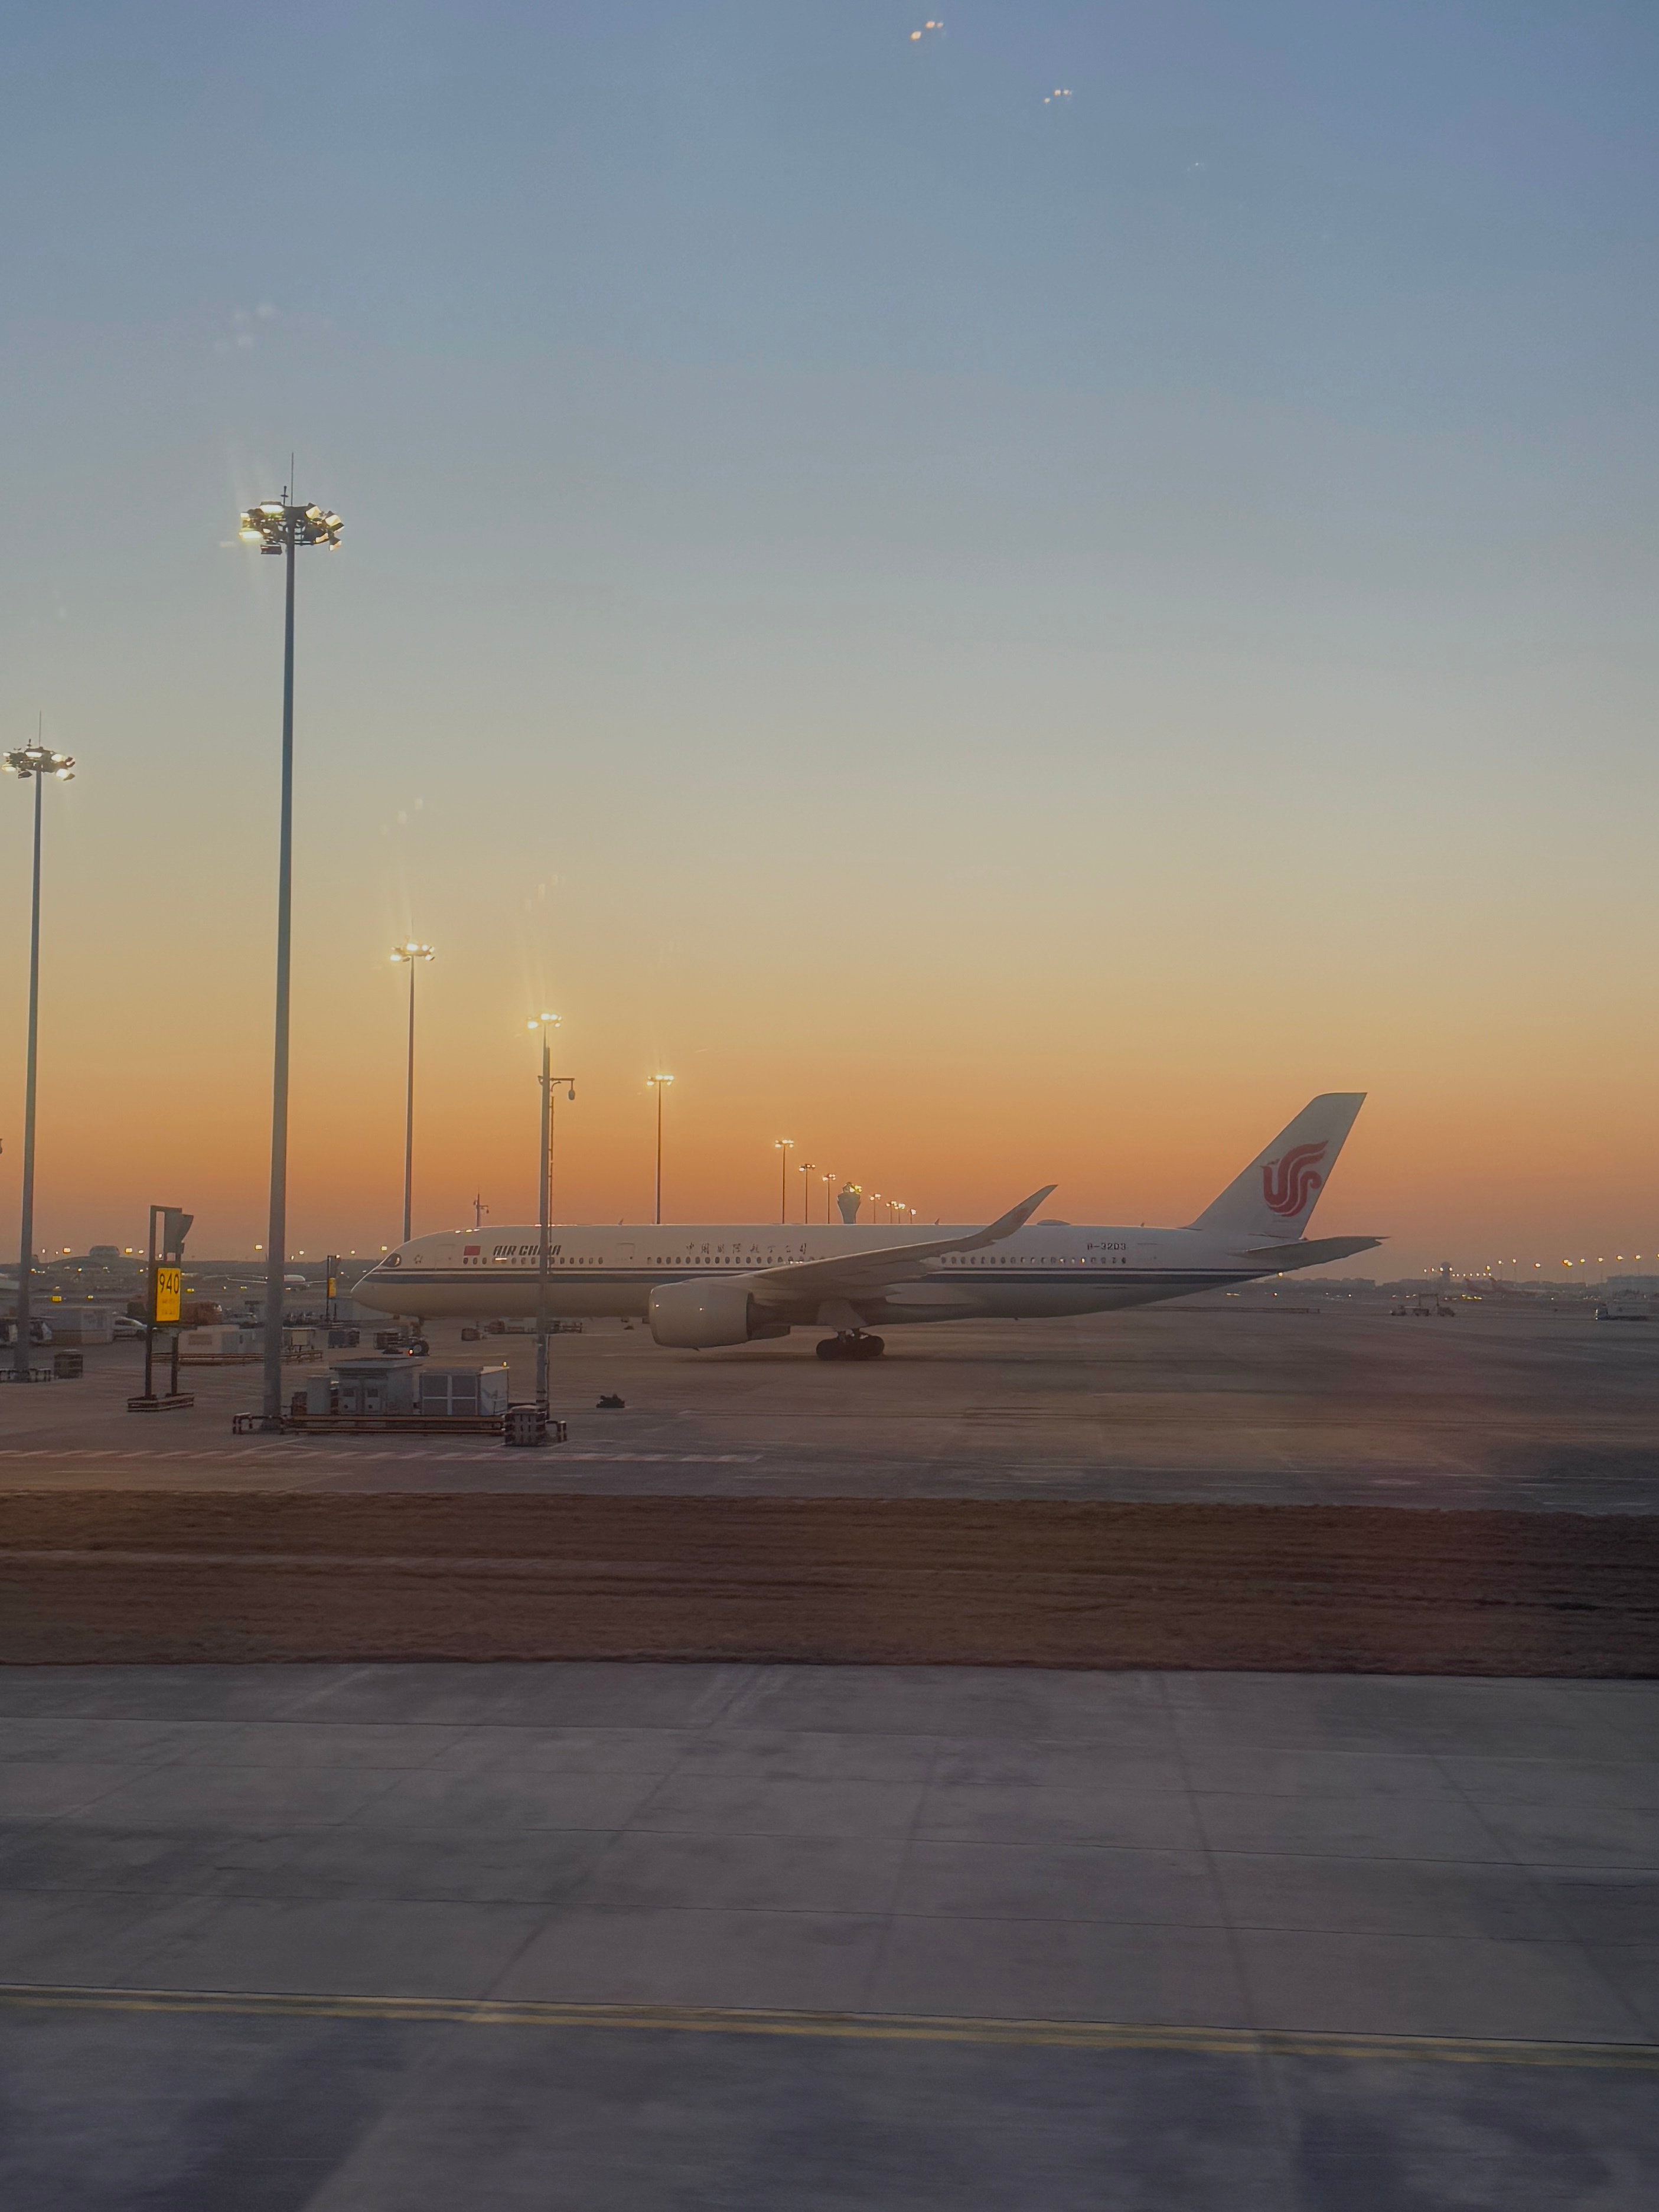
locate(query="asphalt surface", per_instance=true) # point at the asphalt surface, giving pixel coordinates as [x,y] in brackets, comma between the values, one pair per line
[1223,1400]
[584,1936]
[589,1935]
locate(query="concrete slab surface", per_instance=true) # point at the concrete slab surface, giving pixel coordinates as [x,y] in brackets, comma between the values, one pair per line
[1211,1400]
[320,1936]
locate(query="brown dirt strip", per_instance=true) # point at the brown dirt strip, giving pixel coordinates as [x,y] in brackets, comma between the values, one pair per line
[153,1576]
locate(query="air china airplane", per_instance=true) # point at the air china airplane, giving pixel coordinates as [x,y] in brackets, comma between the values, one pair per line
[700,1286]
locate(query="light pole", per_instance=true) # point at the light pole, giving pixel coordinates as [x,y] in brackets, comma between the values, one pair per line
[783,1147]
[280,528]
[569,1082]
[40,762]
[546,1024]
[805,1168]
[659,1083]
[412,955]
[828,1179]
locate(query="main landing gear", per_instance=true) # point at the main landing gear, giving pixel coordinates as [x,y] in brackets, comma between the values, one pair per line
[851,1344]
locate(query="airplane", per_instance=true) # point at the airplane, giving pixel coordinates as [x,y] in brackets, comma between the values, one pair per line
[703,1285]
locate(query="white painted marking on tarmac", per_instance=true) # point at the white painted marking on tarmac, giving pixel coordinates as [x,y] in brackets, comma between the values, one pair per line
[670,1459]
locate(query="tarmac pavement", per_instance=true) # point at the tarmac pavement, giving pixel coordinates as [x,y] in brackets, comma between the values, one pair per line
[303,1938]
[1217,1401]
[330,1936]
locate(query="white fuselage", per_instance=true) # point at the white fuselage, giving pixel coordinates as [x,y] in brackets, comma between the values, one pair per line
[1041,1271]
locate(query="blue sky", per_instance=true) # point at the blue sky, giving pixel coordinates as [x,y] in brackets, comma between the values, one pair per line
[862,564]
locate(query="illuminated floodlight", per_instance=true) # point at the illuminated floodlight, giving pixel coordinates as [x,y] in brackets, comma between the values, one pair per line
[26,761]
[273,526]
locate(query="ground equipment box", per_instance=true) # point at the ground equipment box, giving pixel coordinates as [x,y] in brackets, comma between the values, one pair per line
[388,1392]
[463,1390]
[222,1346]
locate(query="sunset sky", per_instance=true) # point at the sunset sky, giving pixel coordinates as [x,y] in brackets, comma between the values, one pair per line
[1007,639]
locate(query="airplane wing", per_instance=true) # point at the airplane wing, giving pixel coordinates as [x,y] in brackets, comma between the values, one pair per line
[1310,1251]
[858,1273]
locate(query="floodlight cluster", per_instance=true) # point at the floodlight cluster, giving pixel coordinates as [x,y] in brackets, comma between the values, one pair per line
[272,525]
[38,760]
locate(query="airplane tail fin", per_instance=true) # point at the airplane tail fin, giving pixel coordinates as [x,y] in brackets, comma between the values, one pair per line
[1279,1190]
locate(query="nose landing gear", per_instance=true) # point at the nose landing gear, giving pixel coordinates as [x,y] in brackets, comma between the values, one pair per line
[851,1344]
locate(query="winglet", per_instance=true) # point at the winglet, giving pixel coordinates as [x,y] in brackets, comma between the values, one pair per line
[1016,1218]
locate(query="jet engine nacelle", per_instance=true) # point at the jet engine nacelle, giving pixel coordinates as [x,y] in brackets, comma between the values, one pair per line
[706,1311]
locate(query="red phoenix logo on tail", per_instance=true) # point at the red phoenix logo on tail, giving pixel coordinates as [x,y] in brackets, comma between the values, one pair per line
[1289,1183]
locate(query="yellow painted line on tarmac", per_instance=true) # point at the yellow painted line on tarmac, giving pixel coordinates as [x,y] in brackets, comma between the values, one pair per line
[849,2026]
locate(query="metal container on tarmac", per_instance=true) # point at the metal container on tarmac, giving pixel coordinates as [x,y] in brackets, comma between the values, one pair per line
[383,1383]
[379,1382]
[219,1347]
[464,1392]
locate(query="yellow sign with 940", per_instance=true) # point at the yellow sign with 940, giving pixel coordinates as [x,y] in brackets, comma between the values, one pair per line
[169,1294]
